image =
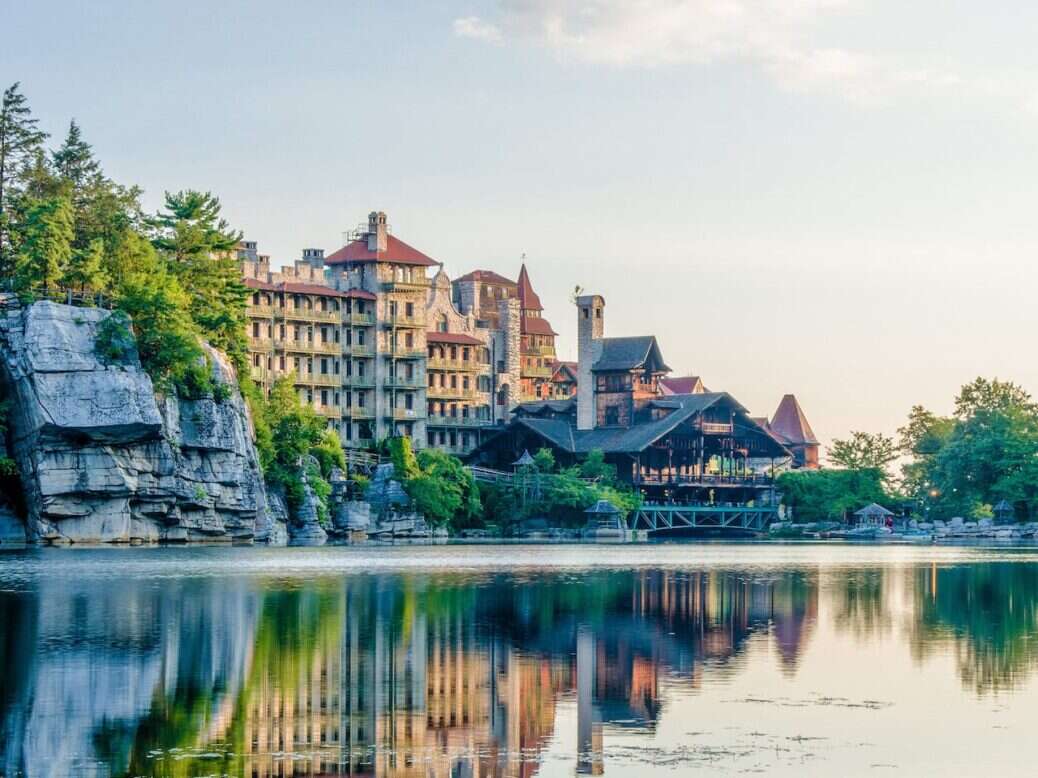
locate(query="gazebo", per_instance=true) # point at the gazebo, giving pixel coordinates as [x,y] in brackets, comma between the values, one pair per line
[873,516]
[1004,512]
[604,520]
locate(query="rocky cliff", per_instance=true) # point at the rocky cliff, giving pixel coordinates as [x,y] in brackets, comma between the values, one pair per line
[104,459]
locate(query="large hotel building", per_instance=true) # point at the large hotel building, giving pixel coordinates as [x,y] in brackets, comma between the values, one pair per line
[381,343]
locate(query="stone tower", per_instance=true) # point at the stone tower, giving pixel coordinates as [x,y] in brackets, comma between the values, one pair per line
[590,329]
[378,231]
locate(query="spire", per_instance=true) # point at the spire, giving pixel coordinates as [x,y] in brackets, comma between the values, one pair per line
[528,299]
[791,423]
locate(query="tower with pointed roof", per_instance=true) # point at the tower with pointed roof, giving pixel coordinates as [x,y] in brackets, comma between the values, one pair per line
[791,427]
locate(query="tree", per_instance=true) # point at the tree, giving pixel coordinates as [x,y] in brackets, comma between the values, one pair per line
[46,244]
[921,439]
[444,491]
[831,495]
[74,161]
[86,268]
[200,246]
[864,451]
[20,140]
[544,460]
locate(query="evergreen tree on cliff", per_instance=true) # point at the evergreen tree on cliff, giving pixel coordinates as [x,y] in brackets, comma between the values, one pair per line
[201,246]
[20,140]
[45,245]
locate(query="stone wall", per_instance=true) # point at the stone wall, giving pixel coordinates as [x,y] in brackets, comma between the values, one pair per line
[104,459]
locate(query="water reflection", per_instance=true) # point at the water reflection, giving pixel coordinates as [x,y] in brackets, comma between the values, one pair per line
[446,674]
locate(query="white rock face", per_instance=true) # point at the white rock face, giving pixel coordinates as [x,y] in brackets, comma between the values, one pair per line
[103,459]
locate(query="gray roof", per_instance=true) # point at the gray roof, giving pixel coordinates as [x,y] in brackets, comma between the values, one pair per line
[563,433]
[873,510]
[603,506]
[629,353]
[536,407]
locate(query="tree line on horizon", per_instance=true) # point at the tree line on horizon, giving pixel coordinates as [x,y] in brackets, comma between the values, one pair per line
[963,464]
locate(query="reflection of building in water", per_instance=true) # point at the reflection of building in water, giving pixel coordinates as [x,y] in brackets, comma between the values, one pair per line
[381,675]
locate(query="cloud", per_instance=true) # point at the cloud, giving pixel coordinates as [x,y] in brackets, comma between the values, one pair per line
[778,37]
[476,28]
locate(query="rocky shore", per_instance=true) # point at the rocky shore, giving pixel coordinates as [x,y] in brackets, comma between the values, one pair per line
[103,458]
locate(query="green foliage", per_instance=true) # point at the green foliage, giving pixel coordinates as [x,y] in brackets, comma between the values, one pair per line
[21,141]
[45,244]
[831,495]
[329,453]
[114,342]
[401,454]
[443,490]
[544,460]
[986,452]
[864,451]
[8,467]
[85,270]
[322,491]
[596,467]
[200,247]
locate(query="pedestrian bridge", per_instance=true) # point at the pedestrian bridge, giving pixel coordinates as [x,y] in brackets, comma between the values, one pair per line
[737,519]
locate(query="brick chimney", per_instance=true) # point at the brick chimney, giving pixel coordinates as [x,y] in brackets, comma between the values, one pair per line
[590,329]
[378,235]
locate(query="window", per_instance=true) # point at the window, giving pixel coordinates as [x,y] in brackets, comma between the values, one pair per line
[324,397]
[281,363]
[465,354]
[409,310]
[409,340]
[612,416]
[255,329]
[409,401]
[256,360]
[324,366]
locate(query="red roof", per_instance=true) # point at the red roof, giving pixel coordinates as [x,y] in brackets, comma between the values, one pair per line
[528,298]
[534,325]
[790,423]
[396,251]
[456,338]
[295,287]
[560,367]
[691,384]
[487,275]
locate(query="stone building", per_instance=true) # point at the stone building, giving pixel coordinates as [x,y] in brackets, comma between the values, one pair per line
[522,340]
[459,371]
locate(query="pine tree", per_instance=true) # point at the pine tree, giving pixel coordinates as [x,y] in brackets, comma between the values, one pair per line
[74,161]
[20,139]
[86,268]
[46,244]
[200,247]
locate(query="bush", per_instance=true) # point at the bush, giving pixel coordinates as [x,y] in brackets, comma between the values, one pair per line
[114,342]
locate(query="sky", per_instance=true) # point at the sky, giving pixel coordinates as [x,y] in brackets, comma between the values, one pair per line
[834,198]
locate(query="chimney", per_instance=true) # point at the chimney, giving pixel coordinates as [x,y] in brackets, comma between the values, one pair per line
[378,236]
[314,257]
[590,328]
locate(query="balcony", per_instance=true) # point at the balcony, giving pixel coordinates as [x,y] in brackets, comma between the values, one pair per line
[310,314]
[308,346]
[412,322]
[359,319]
[359,412]
[536,372]
[259,311]
[358,350]
[415,285]
[358,381]
[319,379]
[540,351]
[403,414]
[453,393]
[328,411]
[402,382]
[713,428]
[702,479]
[457,365]
[406,352]
[456,421]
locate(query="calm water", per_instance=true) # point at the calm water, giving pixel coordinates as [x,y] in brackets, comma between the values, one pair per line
[519,661]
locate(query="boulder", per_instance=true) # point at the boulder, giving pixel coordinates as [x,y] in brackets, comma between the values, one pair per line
[105,459]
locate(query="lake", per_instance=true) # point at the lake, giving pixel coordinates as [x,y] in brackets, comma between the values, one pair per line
[519,660]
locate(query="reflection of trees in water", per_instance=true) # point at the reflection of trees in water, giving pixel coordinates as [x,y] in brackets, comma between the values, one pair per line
[989,612]
[394,675]
[859,603]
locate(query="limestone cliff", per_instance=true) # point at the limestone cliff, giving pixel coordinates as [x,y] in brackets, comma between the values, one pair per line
[104,459]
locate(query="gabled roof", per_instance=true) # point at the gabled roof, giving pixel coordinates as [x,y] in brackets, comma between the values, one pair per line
[631,354]
[487,276]
[458,338]
[564,371]
[873,510]
[396,251]
[691,384]
[536,407]
[790,423]
[528,298]
[535,325]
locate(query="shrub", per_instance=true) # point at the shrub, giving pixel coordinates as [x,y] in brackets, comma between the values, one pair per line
[114,342]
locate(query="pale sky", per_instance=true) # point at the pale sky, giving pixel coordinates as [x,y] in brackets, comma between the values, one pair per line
[829,197]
